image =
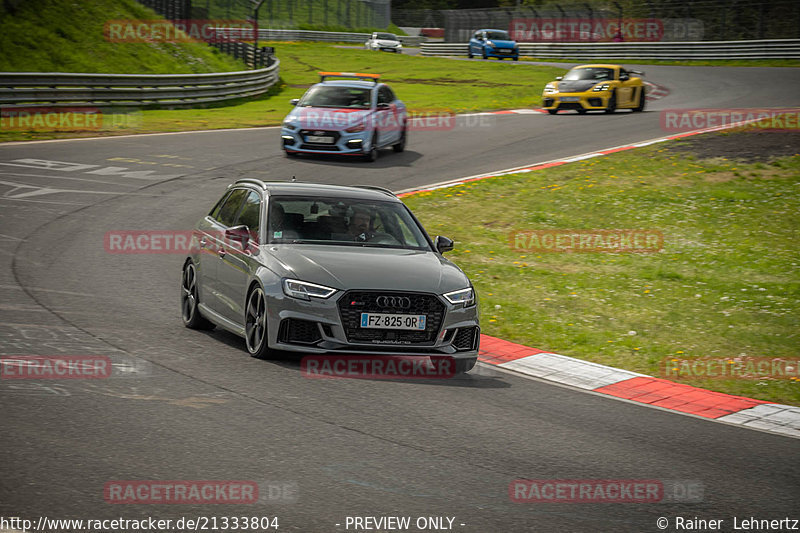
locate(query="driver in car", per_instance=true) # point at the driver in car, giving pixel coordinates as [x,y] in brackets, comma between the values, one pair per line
[359,226]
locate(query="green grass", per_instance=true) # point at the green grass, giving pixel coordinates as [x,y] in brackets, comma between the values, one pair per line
[681,63]
[725,284]
[67,36]
[424,84]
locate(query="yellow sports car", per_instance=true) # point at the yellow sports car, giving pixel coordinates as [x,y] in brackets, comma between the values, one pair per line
[595,87]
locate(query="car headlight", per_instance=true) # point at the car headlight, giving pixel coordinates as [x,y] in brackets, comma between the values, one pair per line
[304,290]
[466,297]
[490,43]
[356,128]
[601,87]
[550,88]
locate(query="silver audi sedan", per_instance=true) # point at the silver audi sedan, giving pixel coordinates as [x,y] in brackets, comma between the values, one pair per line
[324,269]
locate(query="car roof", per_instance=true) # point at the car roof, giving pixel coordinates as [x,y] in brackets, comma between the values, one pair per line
[493,29]
[349,83]
[294,188]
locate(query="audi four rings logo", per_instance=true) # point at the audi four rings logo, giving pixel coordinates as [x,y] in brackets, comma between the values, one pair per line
[401,302]
[319,133]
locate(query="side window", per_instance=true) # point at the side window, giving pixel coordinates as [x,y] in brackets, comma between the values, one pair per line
[251,214]
[229,210]
[390,95]
[215,212]
[384,95]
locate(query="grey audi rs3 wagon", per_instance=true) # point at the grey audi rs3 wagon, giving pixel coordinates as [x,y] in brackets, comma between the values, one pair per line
[324,269]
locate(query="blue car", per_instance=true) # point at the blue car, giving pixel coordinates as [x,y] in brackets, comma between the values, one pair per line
[493,43]
[355,116]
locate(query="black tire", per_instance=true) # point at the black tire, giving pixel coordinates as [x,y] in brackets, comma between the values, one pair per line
[401,144]
[484,54]
[642,99]
[516,59]
[612,103]
[189,312]
[461,366]
[372,155]
[469,53]
[255,324]
[552,111]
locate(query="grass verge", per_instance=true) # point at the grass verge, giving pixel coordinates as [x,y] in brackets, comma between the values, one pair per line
[725,284]
[424,84]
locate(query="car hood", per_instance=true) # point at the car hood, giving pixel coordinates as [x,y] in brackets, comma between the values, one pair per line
[355,267]
[576,86]
[503,44]
[327,118]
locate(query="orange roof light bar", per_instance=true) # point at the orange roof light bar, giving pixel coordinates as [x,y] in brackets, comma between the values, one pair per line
[357,75]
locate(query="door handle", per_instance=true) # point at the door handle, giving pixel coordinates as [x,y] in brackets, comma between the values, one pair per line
[222,252]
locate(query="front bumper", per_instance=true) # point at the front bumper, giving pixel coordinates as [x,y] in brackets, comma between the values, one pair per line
[324,327]
[296,140]
[502,52]
[589,100]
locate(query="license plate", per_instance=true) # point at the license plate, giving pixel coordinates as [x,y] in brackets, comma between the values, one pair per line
[570,99]
[319,140]
[387,321]
[505,51]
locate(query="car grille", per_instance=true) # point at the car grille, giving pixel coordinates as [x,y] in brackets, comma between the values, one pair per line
[353,303]
[465,339]
[326,147]
[296,331]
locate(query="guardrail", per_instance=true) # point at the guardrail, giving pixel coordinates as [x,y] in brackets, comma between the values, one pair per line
[765,49]
[50,89]
[331,36]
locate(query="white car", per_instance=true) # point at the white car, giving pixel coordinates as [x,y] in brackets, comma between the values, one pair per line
[385,42]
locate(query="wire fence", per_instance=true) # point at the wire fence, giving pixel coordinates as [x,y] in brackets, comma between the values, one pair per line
[677,20]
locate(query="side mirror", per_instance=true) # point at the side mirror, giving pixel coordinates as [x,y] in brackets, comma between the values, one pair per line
[239,234]
[383,105]
[559,78]
[294,101]
[443,244]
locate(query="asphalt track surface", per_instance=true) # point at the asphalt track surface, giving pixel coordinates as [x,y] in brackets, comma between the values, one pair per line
[187,405]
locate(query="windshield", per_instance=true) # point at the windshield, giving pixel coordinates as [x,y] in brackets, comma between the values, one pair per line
[343,222]
[330,96]
[590,73]
[497,35]
[386,36]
